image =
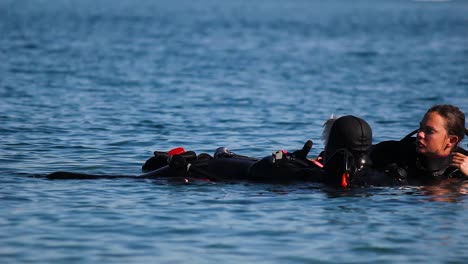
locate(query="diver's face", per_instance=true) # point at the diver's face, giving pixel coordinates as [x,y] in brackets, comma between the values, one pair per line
[433,138]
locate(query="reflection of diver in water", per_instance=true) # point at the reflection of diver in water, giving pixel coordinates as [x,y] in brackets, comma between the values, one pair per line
[448,190]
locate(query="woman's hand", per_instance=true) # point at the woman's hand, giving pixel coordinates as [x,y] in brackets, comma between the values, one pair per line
[461,162]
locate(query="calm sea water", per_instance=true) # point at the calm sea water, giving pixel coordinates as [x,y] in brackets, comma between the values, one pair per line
[97,86]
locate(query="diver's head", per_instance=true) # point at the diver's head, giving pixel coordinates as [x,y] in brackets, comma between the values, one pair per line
[440,130]
[351,133]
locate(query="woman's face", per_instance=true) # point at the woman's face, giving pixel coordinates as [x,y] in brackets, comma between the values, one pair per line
[433,138]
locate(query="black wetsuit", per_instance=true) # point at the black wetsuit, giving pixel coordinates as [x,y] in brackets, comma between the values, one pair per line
[346,162]
[399,159]
[349,158]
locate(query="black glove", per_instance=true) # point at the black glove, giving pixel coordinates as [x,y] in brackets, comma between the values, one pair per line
[302,153]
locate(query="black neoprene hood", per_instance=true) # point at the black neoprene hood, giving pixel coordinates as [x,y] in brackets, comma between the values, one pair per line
[350,132]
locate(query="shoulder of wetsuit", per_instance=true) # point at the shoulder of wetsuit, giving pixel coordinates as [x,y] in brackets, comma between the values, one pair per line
[204,156]
[242,157]
[462,151]
[392,152]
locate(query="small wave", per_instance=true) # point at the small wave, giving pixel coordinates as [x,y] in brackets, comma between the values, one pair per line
[364,54]
[432,1]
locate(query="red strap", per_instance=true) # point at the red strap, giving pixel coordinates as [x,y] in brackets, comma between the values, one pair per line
[316,162]
[176,151]
[186,180]
[344,179]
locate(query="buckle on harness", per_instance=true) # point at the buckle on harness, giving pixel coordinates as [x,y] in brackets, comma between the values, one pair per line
[279,155]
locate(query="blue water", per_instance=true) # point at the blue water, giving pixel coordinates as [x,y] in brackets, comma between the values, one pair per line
[97,86]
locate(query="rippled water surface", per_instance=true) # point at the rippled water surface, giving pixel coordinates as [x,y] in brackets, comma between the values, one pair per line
[97,86]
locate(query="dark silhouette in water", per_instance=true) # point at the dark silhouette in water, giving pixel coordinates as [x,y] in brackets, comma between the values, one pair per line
[348,160]
[344,162]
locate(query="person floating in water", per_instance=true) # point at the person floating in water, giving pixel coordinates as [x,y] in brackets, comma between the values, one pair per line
[348,160]
[343,163]
[433,155]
